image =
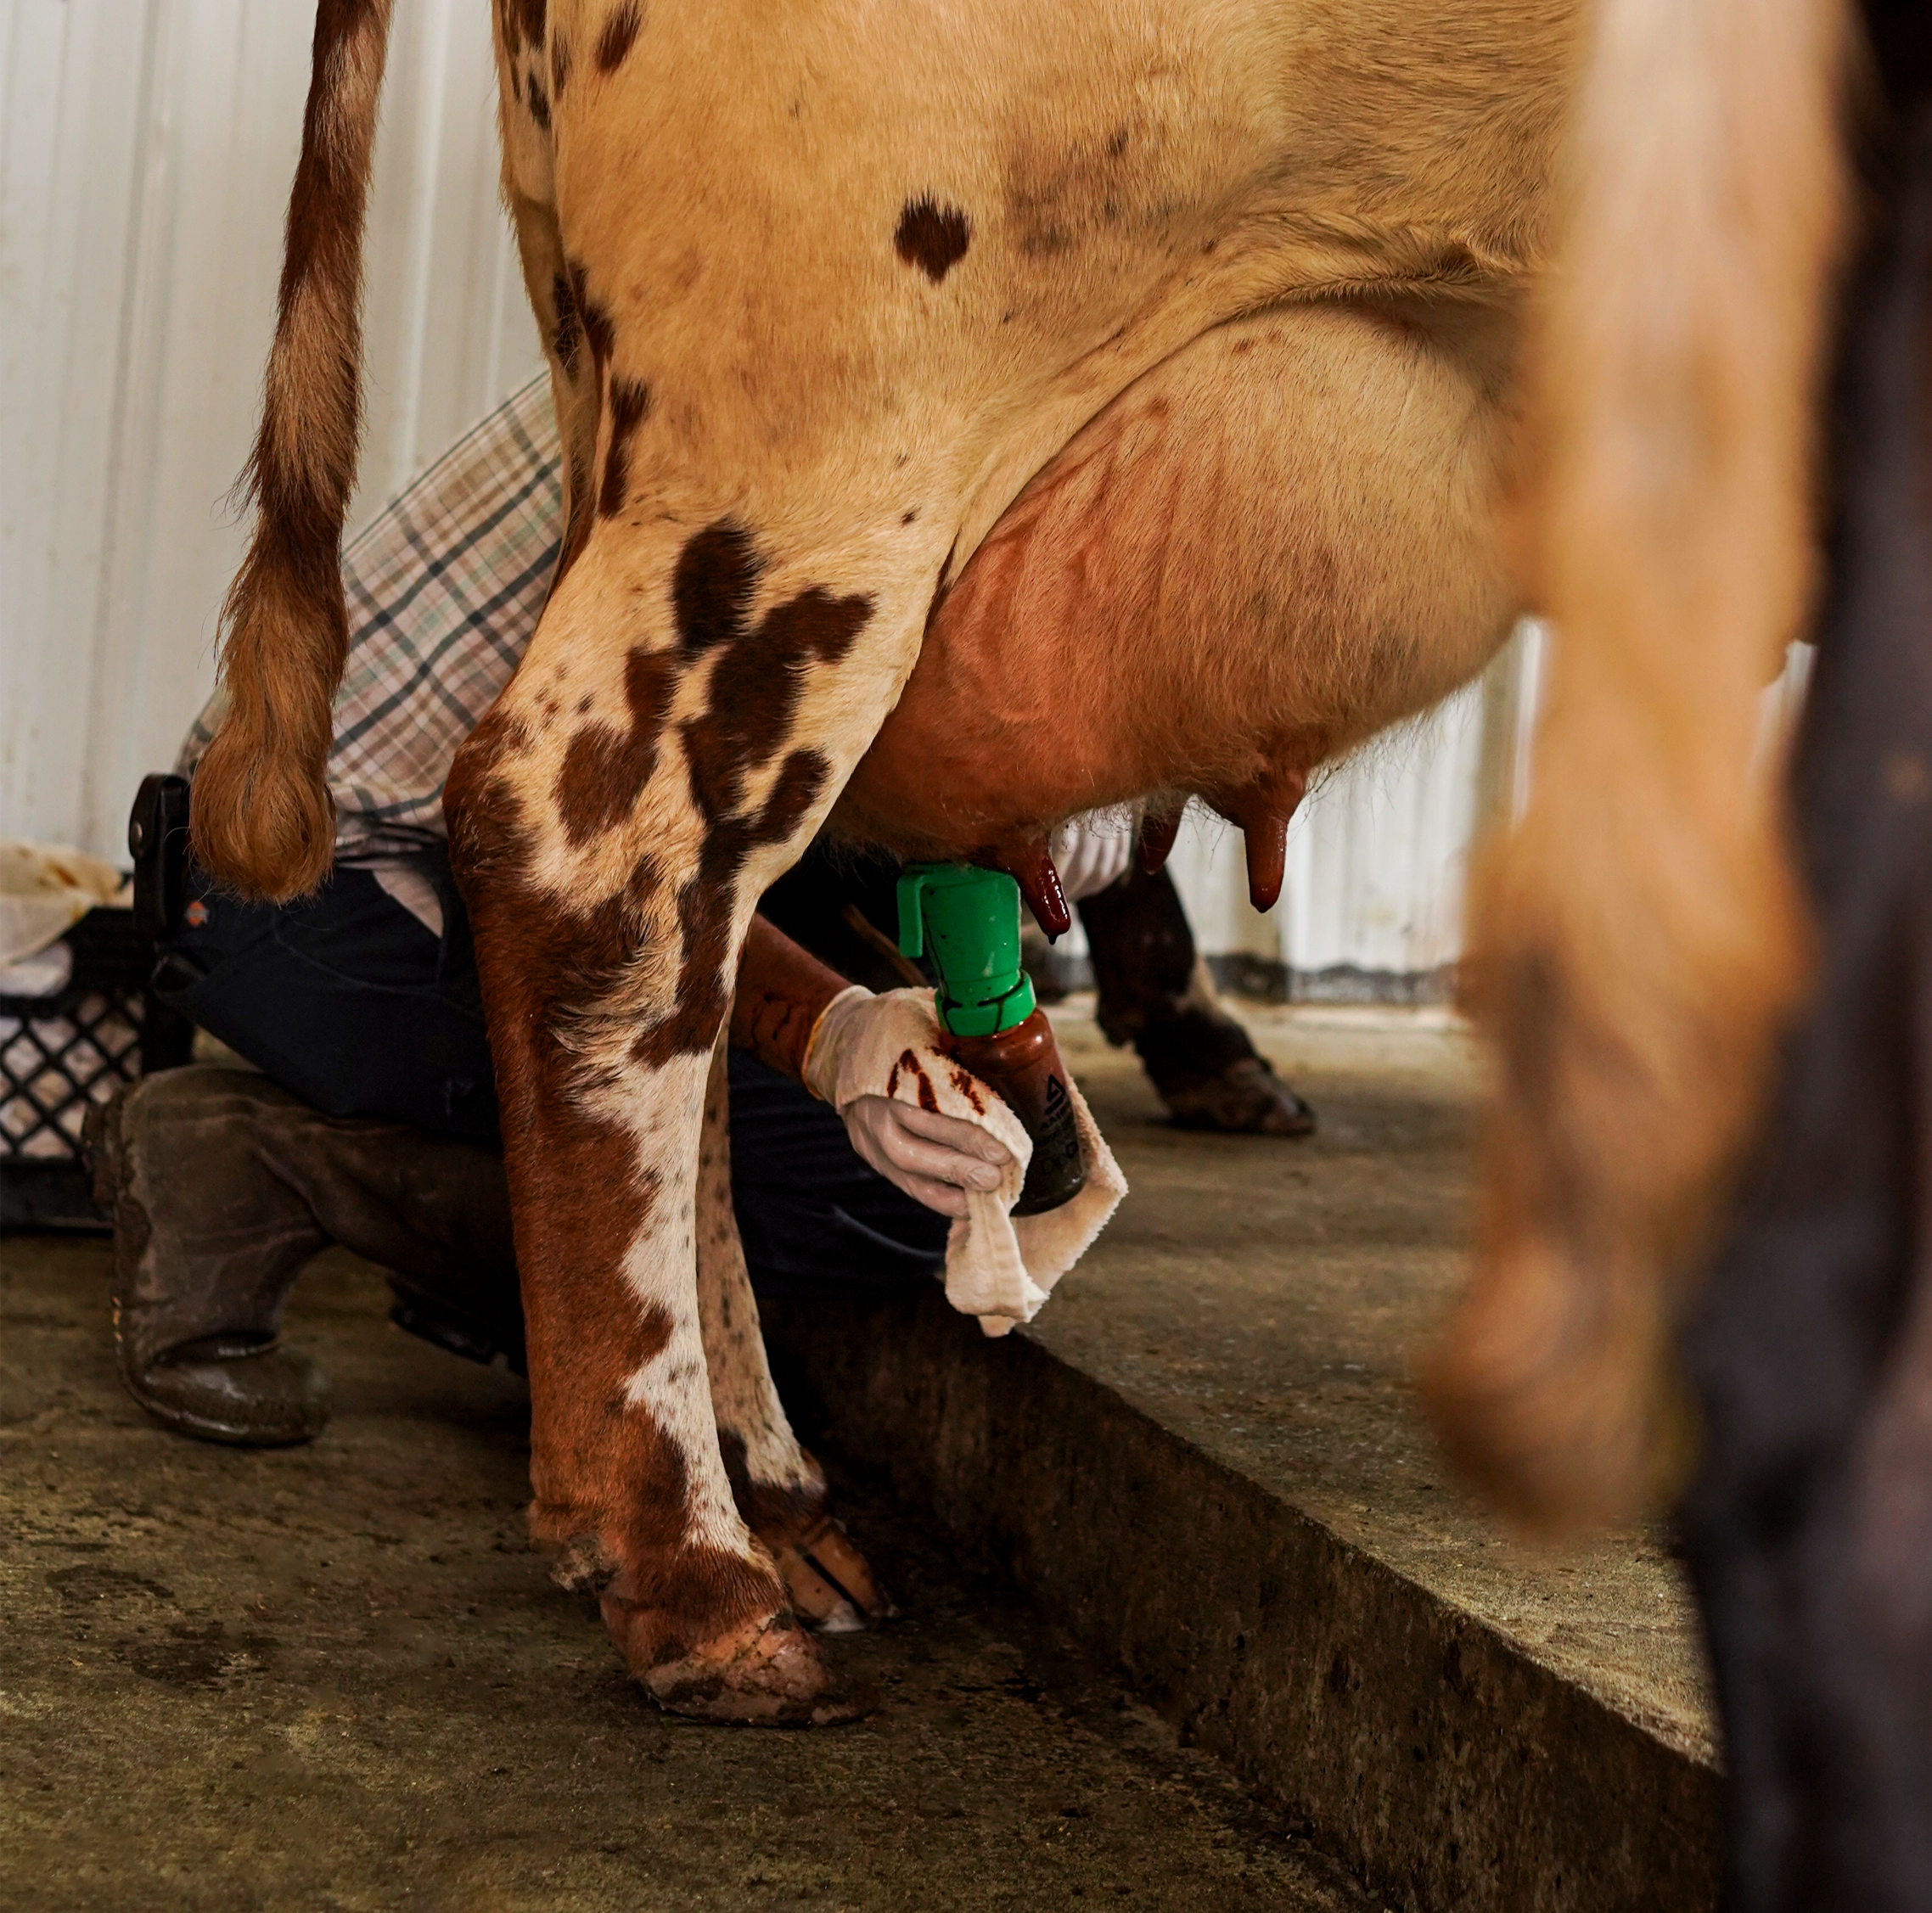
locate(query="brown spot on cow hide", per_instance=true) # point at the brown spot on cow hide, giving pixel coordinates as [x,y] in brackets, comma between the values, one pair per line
[1060,194]
[932,237]
[629,405]
[560,65]
[577,530]
[794,791]
[620,30]
[531,21]
[604,770]
[777,1512]
[705,909]
[756,687]
[594,319]
[536,99]
[707,902]
[711,586]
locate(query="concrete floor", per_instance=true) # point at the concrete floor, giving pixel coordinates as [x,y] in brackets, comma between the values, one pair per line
[335,1677]
[1264,1301]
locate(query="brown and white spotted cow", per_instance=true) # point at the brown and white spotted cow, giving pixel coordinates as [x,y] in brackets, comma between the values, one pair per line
[1140,373]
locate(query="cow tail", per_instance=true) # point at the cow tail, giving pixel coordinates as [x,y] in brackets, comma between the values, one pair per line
[261,817]
[1639,941]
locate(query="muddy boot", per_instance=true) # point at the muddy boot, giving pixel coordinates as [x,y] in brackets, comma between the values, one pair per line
[1154,993]
[222,1188]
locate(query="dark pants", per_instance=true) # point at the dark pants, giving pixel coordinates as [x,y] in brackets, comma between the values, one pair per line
[349,1002]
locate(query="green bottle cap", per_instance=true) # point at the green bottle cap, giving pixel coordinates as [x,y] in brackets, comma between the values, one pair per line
[968,919]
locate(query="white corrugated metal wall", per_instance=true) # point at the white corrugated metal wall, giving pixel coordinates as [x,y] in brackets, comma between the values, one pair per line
[146,147]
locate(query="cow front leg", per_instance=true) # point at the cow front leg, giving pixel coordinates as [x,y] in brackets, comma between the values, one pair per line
[780,1487]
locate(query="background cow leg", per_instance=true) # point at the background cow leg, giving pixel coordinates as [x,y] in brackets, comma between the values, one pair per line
[1155,992]
[780,1489]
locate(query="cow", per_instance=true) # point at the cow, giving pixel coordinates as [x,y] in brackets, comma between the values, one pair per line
[973,416]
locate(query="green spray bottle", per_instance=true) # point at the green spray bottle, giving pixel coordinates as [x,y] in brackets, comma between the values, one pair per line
[967,920]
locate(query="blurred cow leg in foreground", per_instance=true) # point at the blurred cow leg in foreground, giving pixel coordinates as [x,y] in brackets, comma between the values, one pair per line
[1810,1519]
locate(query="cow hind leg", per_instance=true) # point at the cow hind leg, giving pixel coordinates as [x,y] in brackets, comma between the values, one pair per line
[612,823]
[629,1484]
[780,1487]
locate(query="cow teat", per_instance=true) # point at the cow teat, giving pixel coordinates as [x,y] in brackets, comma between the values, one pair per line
[1262,810]
[1266,839]
[1030,864]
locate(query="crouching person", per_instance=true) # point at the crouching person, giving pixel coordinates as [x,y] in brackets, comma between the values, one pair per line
[370,1120]
[373,1120]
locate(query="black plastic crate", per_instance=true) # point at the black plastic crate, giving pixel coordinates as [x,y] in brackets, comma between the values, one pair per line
[61,1053]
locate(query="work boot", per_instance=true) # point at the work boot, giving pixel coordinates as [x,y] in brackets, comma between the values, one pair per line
[222,1188]
[1155,992]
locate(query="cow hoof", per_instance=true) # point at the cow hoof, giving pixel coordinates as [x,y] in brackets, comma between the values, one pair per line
[767,1673]
[831,1587]
[1206,1067]
[1244,1099]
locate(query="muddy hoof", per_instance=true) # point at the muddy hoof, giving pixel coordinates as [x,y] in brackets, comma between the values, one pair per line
[1211,1077]
[831,1587]
[1245,1098]
[767,1673]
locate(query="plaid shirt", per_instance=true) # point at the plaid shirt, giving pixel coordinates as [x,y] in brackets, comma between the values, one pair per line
[444,588]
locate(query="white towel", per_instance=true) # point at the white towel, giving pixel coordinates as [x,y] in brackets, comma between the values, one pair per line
[997,1268]
[46,887]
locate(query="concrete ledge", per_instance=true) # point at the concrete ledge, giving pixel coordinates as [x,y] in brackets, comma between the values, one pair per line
[1423,1748]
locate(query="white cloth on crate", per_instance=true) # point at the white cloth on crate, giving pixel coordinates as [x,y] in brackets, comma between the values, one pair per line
[998,1268]
[45,889]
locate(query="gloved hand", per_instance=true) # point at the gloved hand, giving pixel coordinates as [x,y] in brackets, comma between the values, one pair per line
[935,1158]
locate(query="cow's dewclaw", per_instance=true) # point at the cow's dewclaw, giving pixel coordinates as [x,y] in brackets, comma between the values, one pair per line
[831,1584]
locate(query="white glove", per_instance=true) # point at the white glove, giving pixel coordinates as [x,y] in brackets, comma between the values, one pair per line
[935,1158]
[890,1048]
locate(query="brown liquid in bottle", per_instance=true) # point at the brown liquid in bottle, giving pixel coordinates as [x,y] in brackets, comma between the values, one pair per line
[1024,1065]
